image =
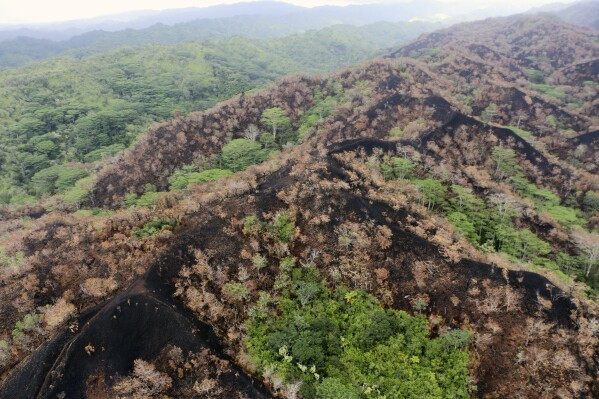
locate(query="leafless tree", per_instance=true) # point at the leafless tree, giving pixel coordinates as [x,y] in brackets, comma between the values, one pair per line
[588,244]
[251,133]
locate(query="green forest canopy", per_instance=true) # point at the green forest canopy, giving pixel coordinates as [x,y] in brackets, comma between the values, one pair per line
[71,109]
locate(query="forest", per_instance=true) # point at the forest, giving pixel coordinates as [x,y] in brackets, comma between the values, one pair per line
[61,116]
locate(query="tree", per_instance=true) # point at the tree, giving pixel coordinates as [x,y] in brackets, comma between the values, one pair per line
[588,244]
[397,168]
[490,112]
[531,246]
[238,154]
[520,115]
[506,163]
[464,225]
[334,388]
[251,133]
[432,191]
[276,119]
[56,179]
[591,201]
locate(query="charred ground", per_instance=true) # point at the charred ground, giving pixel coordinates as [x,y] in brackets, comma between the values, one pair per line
[107,299]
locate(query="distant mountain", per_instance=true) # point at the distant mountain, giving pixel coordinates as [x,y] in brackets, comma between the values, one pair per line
[355,15]
[549,8]
[24,50]
[144,18]
[583,14]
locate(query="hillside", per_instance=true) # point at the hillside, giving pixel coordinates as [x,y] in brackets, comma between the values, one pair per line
[282,17]
[535,74]
[584,13]
[79,110]
[424,217]
[24,50]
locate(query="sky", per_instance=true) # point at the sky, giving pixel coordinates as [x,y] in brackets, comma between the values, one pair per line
[41,11]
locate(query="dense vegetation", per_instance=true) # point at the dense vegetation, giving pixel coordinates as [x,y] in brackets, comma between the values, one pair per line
[342,344]
[24,50]
[83,110]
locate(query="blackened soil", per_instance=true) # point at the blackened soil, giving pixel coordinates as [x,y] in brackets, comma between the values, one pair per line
[137,324]
[586,138]
[144,319]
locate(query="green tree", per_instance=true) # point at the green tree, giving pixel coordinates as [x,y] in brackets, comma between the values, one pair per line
[276,119]
[591,201]
[490,113]
[56,179]
[334,388]
[531,246]
[506,163]
[238,154]
[342,344]
[464,225]
[47,147]
[432,192]
[397,168]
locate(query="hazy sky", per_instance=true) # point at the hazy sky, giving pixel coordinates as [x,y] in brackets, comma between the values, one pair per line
[31,11]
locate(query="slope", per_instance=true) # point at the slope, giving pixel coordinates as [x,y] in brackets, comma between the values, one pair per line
[367,199]
[24,50]
[79,110]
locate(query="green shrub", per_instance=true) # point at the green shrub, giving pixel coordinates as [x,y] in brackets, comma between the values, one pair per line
[237,291]
[457,339]
[208,176]
[189,175]
[591,201]
[397,168]
[343,344]
[79,193]
[56,179]
[396,132]
[238,154]
[283,227]
[153,227]
[535,76]
[259,261]
[30,322]
[565,215]
[130,199]
[149,198]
